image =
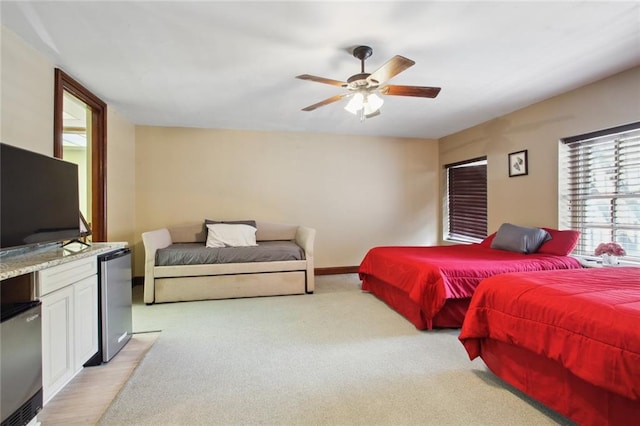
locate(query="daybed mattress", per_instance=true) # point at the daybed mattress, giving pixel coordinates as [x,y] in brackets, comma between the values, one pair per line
[198,254]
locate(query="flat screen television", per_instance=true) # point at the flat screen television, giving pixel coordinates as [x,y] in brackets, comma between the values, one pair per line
[39,200]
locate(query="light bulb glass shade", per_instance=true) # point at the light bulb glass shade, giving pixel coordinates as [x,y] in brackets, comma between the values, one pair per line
[372,104]
[355,104]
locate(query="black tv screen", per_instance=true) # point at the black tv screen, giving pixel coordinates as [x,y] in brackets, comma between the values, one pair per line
[39,200]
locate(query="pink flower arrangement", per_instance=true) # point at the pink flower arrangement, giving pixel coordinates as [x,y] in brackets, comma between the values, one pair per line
[613,249]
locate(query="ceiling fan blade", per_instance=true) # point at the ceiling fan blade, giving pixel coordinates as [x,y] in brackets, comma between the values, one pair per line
[322,80]
[326,102]
[391,68]
[416,91]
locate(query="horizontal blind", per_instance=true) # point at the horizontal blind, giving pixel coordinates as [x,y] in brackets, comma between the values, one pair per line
[603,190]
[467,200]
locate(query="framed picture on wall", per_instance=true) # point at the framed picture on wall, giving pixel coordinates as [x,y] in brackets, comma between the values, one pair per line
[518,163]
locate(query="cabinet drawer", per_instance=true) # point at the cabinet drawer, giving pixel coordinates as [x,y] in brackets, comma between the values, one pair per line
[54,278]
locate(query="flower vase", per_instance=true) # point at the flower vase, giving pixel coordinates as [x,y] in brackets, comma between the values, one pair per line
[610,260]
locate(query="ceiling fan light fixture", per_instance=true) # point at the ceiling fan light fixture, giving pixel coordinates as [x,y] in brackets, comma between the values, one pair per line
[366,104]
[355,104]
[372,104]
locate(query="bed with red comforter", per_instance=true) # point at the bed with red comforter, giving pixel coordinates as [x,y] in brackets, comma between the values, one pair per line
[432,286]
[570,339]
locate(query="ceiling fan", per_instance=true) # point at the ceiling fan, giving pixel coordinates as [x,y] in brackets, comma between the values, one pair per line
[363,88]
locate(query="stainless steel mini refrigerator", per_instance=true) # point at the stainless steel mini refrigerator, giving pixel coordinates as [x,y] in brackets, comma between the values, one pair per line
[20,362]
[114,305]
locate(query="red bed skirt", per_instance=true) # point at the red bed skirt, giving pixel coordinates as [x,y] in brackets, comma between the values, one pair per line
[551,384]
[450,316]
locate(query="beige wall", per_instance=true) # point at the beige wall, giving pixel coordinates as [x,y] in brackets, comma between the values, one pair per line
[121,177]
[356,192]
[26,100]
[533,199]
[26,121]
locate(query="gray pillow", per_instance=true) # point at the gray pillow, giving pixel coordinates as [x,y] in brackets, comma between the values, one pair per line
[520,239]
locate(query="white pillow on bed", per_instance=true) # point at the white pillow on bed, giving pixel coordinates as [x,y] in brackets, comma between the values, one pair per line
[230,235]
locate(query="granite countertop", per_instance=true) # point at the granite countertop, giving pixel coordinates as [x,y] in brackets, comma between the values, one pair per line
[14,264]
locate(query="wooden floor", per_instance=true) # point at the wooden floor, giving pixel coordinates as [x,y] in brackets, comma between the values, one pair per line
[85,399]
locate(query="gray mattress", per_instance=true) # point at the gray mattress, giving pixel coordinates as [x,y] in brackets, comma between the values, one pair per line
[198,254]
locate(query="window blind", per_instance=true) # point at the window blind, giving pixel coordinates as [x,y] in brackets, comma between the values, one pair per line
[467,200]
[602,188]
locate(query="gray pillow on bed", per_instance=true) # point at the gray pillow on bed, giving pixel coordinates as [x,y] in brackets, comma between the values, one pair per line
[520,239]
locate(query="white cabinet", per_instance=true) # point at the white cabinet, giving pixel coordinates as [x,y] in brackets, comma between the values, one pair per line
[69,295]
[85,307]
[57,340]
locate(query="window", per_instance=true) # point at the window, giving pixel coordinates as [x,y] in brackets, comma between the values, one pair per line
[466,200]
[600,188]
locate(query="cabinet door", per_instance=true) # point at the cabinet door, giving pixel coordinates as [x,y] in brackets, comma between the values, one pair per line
[57,341]
[85,319]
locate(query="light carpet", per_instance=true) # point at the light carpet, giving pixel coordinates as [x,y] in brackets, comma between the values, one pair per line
[337,357]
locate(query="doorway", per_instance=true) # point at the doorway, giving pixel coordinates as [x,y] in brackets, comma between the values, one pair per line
[76,147]
[80,125]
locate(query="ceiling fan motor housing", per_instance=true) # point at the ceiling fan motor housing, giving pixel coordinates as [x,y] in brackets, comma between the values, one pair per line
[358,81]
[362,52]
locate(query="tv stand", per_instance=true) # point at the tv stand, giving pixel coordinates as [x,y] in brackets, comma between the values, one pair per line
[76,241]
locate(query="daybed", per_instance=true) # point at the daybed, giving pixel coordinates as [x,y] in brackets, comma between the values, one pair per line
[248,271]
[569,339]
[432,286]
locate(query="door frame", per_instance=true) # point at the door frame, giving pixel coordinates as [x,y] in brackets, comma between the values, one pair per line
[64,82]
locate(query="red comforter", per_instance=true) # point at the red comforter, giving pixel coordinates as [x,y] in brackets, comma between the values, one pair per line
[430,275]
[587,320]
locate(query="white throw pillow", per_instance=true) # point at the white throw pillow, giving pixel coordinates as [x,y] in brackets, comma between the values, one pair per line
[230,235]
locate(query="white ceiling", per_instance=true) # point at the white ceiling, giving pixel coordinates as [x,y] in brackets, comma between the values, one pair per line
[232,65]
